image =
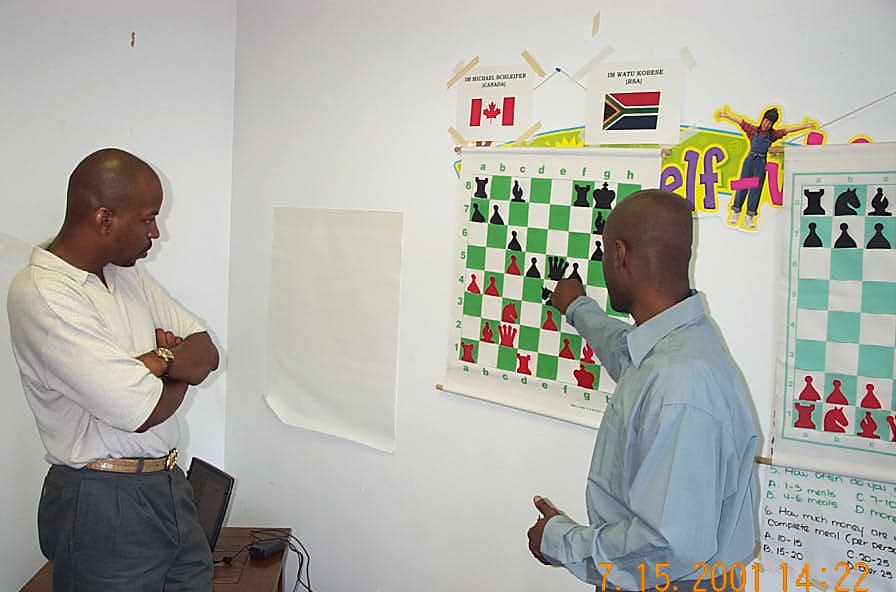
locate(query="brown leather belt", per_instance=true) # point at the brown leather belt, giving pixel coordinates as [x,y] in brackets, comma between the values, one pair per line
[135,465]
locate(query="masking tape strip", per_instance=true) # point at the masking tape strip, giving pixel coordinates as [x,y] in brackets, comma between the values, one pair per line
[535,127]
[533,63]
[601,56]
[688,58]
[457,137]
[460,73]
[595,24]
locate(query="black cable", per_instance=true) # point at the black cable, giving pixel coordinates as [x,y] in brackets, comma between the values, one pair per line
[303,556]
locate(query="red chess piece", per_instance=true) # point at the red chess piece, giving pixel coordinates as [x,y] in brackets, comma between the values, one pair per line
[467,355]
[891,419]
[473,287]
[549,323]
[809,393]
[837,397]
[566,352]
[583,377]
[835,421]
[587,354]
[804,416]
[870,401]
[492,289]
[507,333]
[523,364]
[513,268]
[509,314]
[869,427]
[487,333]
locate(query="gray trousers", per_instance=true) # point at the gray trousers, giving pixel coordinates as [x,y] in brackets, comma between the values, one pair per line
[112,532]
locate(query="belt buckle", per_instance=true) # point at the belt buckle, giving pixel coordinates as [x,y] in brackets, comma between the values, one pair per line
[171,459]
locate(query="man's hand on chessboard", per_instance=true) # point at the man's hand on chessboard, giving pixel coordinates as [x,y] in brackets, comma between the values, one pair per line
[565,292]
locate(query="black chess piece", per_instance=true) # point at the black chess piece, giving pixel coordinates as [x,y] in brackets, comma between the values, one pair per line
[846,203]
[603,197]
[813,207]
[480,187]
[517,191]
[844,241]
[557,267]
[879,203]
[582,195]
[878,241]
[599,223]
[477,215]
[533,272]
[812,239]
[598,254]
[496,217]
[546,295]
[575,273]
[514,244]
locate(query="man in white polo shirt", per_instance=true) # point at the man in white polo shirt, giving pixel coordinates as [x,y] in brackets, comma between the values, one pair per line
[106,357]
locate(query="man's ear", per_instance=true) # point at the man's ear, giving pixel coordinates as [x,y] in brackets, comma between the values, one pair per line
[619,253]
[103,219]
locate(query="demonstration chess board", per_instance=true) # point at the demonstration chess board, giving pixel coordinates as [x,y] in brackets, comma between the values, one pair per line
[841,323]
[529,221]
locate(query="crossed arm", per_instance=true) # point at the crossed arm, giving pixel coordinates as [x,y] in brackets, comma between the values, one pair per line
[194,359]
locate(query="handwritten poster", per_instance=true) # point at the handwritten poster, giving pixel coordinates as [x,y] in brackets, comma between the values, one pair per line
[831,531]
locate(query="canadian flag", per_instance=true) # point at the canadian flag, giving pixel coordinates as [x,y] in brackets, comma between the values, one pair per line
[492,111]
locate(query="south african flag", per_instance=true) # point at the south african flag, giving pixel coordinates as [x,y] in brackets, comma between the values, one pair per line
[631,110]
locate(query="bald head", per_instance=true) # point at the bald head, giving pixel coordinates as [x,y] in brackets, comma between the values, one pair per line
[657,228]
[107,178]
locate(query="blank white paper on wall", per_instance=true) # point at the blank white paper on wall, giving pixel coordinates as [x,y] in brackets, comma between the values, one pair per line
[333,322]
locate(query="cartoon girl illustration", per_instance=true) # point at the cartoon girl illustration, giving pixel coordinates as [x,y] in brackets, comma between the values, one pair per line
[761,138]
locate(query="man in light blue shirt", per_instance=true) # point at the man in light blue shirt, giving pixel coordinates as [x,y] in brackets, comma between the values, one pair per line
[672,486]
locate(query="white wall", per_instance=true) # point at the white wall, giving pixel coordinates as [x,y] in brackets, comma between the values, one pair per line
[70,83]
[343,105]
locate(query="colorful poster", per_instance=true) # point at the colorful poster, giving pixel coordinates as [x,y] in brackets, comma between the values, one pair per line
[527,218]
[495,103]
[835,403]
[634,103]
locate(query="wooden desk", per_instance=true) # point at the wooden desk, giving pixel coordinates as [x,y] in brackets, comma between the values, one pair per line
[242,575]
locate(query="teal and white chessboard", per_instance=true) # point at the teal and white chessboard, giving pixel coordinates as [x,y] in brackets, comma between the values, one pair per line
[841,321]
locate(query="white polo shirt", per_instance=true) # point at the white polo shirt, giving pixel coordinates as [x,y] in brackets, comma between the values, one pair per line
[76,343]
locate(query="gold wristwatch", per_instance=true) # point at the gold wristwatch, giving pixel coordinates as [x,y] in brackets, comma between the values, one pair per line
[164,353]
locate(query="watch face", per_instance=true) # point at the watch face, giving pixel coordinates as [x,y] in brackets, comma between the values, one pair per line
[165,353]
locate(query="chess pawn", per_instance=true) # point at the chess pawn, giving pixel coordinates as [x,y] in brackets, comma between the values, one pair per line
[809,393]
[870,400]
[473,286]
[566,351]
[836,397]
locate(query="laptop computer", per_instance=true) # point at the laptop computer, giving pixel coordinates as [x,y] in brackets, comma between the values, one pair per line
[211,494]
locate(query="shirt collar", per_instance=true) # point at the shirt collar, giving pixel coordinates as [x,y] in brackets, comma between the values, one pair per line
[644,337]
[44,259]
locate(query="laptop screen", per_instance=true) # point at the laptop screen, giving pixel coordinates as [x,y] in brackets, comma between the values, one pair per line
[211,494]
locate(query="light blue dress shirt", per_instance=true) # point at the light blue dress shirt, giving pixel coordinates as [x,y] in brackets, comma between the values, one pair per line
[672,476]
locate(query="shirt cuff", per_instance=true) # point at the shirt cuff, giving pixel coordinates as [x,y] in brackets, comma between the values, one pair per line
[552,539]
[575,305]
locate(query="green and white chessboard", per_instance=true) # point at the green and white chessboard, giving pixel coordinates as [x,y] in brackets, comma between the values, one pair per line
[841,323]
[528,219]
